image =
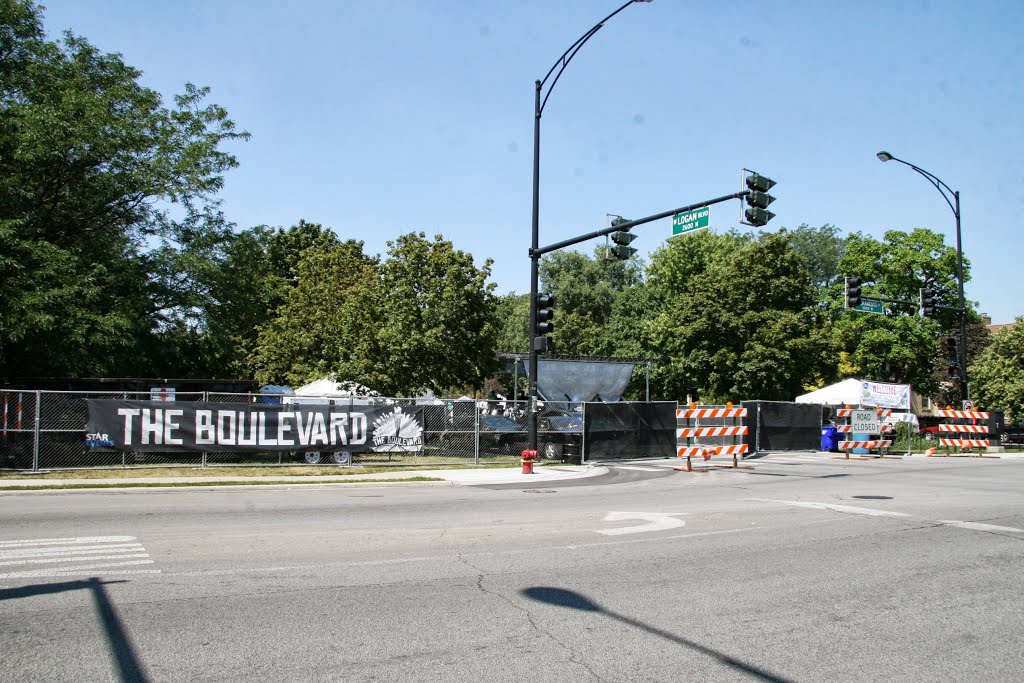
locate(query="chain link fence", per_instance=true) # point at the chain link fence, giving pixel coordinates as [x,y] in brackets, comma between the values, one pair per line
[46,430]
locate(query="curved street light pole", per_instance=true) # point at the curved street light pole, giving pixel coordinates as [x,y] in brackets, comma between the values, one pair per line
[540,100]
[946,191]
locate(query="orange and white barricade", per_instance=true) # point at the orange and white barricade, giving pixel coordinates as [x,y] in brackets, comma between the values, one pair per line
[874,442]
[709,431]
[964,433]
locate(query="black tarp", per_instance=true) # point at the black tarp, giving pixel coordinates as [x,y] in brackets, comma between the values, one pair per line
[777,426]
[629,430]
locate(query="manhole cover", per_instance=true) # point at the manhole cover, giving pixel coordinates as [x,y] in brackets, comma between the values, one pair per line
[873,497]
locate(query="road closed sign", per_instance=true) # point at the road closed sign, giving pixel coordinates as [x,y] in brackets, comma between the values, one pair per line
[865,422]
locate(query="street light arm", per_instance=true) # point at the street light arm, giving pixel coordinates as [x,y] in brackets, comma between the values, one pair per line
[934,180]
[567,56]
[954,204]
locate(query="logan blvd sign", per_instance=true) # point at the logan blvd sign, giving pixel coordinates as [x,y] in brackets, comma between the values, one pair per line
[870,306]
[691,220]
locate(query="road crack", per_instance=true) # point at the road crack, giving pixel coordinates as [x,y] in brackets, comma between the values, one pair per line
[574,656]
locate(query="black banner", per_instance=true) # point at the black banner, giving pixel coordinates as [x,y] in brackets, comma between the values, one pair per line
[161,426]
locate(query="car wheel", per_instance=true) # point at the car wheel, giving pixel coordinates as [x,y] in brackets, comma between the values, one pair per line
[343,457]
[552,451]
[312,457]
[928,436]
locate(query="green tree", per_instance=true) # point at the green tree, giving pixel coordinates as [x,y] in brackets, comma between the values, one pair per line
[437,324]
[326,324]
[738,328]
[513,314]
[820,249]
[91,164]
[997,373]
[585,290]
[900,347]
[424,318]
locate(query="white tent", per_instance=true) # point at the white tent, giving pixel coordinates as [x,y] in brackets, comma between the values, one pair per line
[333,389]
[847,392]
[856,392]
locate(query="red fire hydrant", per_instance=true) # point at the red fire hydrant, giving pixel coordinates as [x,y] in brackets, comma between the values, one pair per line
[529,457]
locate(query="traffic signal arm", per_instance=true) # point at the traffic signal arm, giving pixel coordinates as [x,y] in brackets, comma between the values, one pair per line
[625,227]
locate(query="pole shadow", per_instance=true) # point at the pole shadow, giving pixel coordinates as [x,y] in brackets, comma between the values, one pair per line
[573,600]
[129,666]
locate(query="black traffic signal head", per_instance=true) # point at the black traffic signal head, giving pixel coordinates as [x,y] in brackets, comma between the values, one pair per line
[759,183]
[757,213]
[622,250]
[927,302]
[951,349]
[852,292]
[545,312]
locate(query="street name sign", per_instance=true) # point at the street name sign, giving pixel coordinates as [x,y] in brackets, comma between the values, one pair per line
[870,306]
[691,220]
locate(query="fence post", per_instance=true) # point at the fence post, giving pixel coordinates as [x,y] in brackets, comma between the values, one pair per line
[35,439]
[476,430]
[757,427]
[910,411]
[583,435]
[206,399]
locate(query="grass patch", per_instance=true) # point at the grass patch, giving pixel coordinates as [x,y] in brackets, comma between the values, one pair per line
[199,473]
[190,484]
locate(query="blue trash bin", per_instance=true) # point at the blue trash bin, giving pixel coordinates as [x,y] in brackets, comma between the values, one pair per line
[862,437]
[829,439]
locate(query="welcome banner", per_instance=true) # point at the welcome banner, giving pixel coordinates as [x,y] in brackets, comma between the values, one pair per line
[158,426]
[896,396]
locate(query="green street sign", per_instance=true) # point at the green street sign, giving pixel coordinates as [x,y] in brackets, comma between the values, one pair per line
[691,220]
[870,306]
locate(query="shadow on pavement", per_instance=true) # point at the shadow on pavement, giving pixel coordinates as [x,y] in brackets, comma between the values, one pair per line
[125,658]
[573,600]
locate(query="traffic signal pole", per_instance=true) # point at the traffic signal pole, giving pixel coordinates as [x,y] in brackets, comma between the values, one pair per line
[537,251]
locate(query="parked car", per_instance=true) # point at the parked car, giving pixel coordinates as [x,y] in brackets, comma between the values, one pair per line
[1012,434]
[502,434]
[559,434]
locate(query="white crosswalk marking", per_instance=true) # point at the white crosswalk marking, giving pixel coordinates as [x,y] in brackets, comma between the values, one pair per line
[104,555]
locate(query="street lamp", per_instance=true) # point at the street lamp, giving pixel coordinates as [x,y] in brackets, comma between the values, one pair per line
[538,109]
[952,198]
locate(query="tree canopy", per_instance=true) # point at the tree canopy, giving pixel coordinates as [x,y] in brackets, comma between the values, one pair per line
[93,167]
[116,259]
[997,373]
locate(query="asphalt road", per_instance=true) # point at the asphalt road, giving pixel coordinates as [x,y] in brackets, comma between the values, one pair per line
[802,569]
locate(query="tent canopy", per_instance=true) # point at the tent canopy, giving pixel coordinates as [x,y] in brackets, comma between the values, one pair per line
[334,388]
[845,392]
[856,392]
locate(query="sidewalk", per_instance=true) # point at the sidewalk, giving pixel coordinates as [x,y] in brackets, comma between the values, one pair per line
[461,477]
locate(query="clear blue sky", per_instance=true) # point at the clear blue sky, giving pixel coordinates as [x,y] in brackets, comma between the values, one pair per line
[380,118]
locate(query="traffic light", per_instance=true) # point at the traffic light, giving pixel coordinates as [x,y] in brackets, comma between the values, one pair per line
[927,302]
[622,238]
[951,350]
[758,199]
[545,312]
[852,292]
[952,355]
